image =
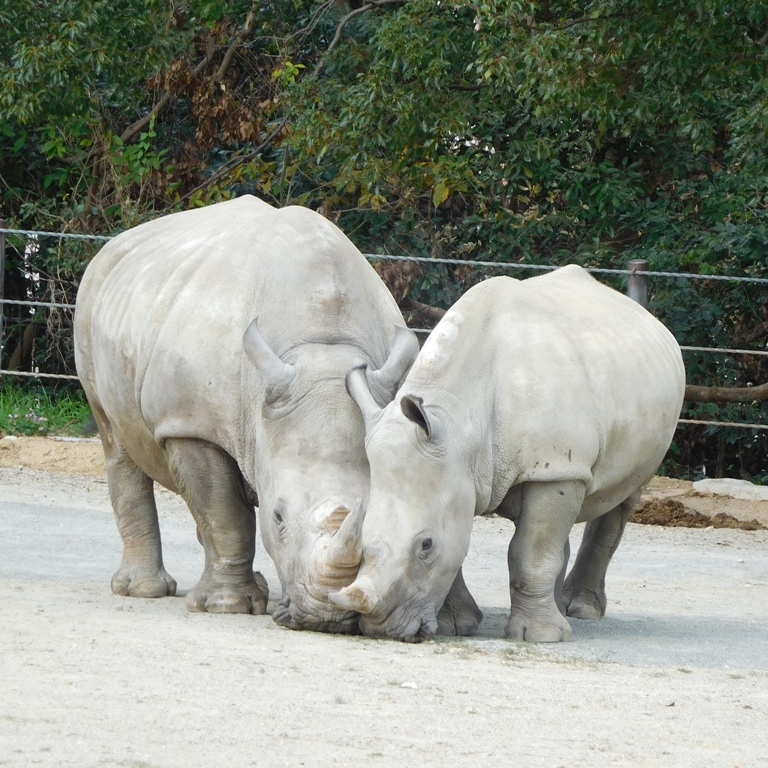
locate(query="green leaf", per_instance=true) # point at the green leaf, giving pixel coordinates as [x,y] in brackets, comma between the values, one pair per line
[440,193]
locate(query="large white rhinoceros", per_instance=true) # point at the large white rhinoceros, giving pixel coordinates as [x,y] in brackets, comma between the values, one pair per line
[188,391]
[551,401]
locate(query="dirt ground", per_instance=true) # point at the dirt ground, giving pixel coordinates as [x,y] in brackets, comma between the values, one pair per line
[675,675]
[72,456]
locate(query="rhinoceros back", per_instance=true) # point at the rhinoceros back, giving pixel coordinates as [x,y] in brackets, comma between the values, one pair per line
[163,307]
[576,380]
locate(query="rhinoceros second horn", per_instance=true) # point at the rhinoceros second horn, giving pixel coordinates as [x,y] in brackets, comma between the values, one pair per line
[276,374]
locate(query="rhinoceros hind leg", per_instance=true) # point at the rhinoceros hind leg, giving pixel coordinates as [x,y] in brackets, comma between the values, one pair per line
[460,615]
[211,484]
[536,556]
[141,572]
[584,588]
[586,606]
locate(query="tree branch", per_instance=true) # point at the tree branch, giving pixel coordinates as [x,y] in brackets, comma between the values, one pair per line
[698,394]
[589,20]
[236,43]
[233,163]
[466,88]
[313,22]
[143,122]
[167,97]
[754,335]
[425,310]
[370,5]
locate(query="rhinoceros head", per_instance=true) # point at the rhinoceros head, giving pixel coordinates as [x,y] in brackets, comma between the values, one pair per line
[416,529]
[328,559]
[313,489]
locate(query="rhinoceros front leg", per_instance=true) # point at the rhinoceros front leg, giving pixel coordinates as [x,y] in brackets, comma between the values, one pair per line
[584,589]
[141,572]
[459,615]
[535,558]
[212,485]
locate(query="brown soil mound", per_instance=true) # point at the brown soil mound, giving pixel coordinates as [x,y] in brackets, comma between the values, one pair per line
[671,512]
[70,456]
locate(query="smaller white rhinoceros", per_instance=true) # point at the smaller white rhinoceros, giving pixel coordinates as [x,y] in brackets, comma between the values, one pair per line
[189,392]
[551,401]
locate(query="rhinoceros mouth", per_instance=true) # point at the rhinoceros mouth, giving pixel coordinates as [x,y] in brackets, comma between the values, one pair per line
[413,629]
[318,618]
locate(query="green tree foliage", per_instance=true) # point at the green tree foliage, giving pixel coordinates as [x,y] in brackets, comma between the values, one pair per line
[111,113]
[551,132]
[545,130]
[78,82]
[506,131]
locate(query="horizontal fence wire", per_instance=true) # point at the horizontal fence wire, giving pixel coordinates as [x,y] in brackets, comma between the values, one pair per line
[542,267]
[430,260]
[36,303]
[63,235]
[726,351]
[722,423]
[453,262]
[38,375]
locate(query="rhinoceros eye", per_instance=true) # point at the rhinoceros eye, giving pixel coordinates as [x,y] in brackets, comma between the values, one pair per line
[277,515]
[426,550]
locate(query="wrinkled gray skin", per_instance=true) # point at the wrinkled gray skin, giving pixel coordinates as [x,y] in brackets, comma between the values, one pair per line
[551,401]
[188,391]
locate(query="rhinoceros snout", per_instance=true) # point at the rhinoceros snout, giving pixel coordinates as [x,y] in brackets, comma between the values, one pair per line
[291,615]
[414,629]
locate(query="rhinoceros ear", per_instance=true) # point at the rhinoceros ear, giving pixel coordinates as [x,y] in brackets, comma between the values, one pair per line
[414,410]
[276,374]
[357,386]
[384,382]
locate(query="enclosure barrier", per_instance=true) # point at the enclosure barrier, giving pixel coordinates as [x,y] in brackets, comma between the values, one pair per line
[637,273]
[2,281]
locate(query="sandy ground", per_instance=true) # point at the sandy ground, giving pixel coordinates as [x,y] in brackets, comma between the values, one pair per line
[675,675]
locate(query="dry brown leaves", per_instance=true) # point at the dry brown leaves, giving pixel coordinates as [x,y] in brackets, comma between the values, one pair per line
[398,276]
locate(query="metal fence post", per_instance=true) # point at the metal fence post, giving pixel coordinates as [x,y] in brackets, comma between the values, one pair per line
[637,283]
[2,287]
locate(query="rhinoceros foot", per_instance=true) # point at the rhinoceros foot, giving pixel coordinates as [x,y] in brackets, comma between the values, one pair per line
[210,597]
[135,582]
[584,603]
[461,623]
[460,615]
[537,621]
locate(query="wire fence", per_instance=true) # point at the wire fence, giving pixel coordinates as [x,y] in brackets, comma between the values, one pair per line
[502,266]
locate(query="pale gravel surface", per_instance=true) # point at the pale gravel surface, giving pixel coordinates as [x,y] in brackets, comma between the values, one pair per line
[676,675]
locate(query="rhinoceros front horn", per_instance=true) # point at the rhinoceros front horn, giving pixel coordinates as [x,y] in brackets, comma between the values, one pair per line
[276,374]
[361,596]
[346,548]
